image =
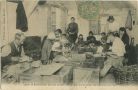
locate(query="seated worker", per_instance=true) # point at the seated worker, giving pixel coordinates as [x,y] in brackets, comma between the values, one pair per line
[116,33]
[103,38]
[11,53]
[116,56]
[104,42]
[91,38]
[66,46]
[57,46]
[80,41]
[58,34]
[108,39]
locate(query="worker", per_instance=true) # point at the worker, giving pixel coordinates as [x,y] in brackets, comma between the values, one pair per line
[11,52]
[72,31]
[47,48]
[116,56]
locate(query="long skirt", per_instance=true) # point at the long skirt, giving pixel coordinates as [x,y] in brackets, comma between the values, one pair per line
[72,38]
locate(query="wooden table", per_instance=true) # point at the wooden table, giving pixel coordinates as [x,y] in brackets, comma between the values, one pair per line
[61,76]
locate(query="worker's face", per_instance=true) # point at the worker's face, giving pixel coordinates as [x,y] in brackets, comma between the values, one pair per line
[111,21]
[72,20]
[57,34]
[102,35]
[121,32]
[81,37]
[90,34]
[22,39]
[111,38]
[63,36]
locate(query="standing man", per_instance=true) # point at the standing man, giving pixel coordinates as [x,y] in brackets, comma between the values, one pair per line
[72,31]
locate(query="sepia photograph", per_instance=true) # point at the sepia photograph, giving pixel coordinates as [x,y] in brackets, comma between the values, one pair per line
[69,42]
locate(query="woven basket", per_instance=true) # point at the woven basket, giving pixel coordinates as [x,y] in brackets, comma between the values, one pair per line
[126,74]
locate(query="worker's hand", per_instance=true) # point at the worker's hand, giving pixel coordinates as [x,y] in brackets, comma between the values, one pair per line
[15,59]
[109,53]
[71,33]
[103,54]
[114,56]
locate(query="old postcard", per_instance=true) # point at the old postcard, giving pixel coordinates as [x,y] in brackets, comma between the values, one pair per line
[69,44]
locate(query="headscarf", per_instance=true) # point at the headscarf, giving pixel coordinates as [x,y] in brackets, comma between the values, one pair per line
[51,36]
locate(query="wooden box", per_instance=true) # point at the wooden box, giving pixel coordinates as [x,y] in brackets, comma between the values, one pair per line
[30,79]
[63,76]
[85,76]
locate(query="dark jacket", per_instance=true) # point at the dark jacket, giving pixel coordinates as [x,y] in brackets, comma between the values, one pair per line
[125,39]
[72,28]
[14,53]
[91,39]
[72,32]
[80,42]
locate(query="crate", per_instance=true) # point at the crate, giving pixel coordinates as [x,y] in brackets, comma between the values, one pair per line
[93,62]
[30,79]
[63,76]
[85,76]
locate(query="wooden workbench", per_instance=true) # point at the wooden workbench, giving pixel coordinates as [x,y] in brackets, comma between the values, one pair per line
[62,76]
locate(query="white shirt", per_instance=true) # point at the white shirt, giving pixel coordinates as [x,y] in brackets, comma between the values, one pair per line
[55,46]
[118,47]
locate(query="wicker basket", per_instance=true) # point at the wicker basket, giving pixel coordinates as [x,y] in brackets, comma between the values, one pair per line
[126,74]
